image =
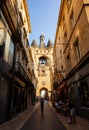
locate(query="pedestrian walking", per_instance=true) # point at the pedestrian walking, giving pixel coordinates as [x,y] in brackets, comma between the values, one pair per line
[42,104]
[71,113]
[71,106]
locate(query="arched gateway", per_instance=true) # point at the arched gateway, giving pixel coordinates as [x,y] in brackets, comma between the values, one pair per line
[44,93]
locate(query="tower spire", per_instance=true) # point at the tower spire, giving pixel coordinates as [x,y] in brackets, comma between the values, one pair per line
[42,44]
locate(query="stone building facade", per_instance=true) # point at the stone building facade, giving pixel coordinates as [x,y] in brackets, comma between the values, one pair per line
[15,71]
[43,67]
[72,42]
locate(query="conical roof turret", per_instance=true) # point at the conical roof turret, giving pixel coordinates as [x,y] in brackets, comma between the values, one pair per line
[34,44]
[49,43]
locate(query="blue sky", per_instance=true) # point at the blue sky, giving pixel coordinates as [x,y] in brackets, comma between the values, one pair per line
[44,17]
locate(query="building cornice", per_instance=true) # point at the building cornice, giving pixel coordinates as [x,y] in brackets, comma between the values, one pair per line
[27,15]
[59,18]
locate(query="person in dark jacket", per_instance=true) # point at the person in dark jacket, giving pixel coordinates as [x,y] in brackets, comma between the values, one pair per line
[42,104]
[72,102]
[71,107]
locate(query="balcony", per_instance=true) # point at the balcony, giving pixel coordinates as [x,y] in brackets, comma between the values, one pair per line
[21,73]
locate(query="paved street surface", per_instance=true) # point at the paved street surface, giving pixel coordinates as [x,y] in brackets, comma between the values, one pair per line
[19,120]
[81,123]
[47,120]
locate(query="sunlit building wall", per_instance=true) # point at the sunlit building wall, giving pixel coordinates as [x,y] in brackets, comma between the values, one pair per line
[15,72]
[73,35]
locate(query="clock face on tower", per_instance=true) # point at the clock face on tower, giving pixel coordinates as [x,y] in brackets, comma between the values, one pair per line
[42,71]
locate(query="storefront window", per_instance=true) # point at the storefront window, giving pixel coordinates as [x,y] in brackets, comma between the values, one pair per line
[84,93]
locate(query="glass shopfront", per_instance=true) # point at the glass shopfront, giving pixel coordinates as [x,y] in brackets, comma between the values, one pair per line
[84,93]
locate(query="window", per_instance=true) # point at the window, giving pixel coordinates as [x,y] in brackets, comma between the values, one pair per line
[72,18]
[65,37]
[11,53]
[43,82]
[59,38]
[69,2]
[84,93]
[68,62]
[9,50]
[42,60]
[2,37]
[64,22]
[1,51]
[60,54]
[17,55]
[77,50]
[62,67]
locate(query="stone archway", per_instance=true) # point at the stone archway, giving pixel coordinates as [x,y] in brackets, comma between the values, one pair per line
[44,93]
